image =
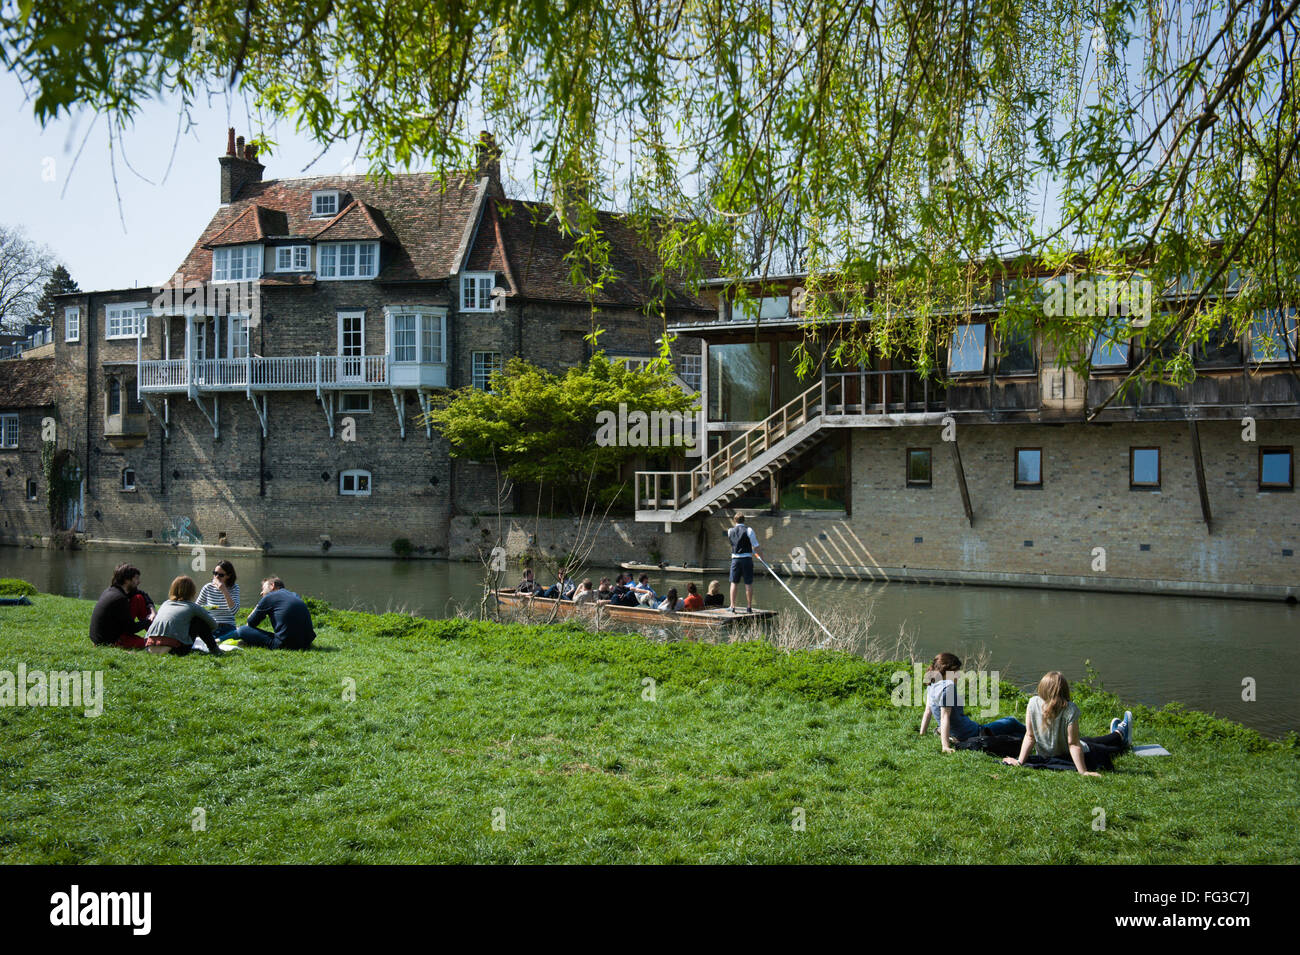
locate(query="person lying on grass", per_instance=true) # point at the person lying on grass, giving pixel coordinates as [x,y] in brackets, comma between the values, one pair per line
[944,706]
[179,620]
[1053,729]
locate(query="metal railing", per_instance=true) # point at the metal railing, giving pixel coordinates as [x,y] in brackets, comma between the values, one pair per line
[286,373]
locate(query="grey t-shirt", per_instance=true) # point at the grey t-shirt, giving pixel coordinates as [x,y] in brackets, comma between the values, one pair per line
[173,618]
[1052,739]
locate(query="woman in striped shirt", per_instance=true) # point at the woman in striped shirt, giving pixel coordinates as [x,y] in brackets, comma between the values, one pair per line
[221,597]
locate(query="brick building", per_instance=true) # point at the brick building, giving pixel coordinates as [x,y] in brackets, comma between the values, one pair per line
[268,394]
[997,477]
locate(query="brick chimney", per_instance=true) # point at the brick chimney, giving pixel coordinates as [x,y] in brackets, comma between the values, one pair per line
[239,167]
[487,162]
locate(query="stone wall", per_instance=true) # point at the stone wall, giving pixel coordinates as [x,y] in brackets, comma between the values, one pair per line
[1048,534]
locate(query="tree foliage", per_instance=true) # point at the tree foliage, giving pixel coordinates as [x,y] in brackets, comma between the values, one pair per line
[24,267]
[60,282]
[542,428]
[905,153]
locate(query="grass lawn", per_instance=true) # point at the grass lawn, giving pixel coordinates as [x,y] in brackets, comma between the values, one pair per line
[548,729]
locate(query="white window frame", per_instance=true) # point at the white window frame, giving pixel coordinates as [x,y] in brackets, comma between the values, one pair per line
[476,291]
[317,196]
[330,256]
[9,425]
[239,328]
[299,257]
[364,395]
[237,263]
[72,323]
[31,489]
[425,316]
[117,314]
[482,368]
[125,471]
[355,473]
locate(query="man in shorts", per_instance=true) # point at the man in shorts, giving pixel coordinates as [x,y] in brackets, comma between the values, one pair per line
[744,545]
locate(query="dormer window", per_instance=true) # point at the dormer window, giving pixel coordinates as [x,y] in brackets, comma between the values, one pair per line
[293,258]
[236,263]
[324,202]
[476,291]
[347,260]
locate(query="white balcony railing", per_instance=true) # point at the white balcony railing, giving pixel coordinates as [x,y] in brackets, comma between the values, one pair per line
[254,373]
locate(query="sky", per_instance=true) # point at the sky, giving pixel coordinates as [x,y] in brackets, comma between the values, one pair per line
[136,233]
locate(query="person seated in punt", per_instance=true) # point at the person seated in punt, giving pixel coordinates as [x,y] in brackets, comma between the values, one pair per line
[606,590]
[562,589]
[624,595]
[693,599]
[714,597]
[645,594]
[585,594]
[529,584]
[671,603]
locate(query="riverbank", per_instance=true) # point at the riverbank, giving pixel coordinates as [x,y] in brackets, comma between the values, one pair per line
[402,740]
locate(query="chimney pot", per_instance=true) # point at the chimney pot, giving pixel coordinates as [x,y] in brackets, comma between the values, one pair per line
[230,141]
[239,146]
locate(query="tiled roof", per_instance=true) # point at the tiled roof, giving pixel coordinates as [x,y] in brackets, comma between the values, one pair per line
[27,383]
[357,221]
[523,239]
[254,224]
[424,220]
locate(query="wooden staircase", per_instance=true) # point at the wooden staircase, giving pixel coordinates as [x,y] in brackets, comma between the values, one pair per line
[675,496]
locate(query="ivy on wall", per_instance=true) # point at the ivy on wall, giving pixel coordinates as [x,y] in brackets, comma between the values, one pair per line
[62,481]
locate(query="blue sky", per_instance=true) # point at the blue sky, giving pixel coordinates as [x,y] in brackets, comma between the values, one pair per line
[74,209]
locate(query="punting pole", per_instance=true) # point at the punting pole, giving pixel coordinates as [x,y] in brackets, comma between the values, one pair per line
[829,635]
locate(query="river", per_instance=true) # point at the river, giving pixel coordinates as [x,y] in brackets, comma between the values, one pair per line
[1147,649]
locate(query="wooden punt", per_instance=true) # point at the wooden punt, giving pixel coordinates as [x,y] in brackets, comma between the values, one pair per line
[604,614]
[672,569]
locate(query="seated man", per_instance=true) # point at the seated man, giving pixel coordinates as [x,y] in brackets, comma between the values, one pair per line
[562,589]
[121,612]
[289,616]
[623,595]
[645,594]
[529,584]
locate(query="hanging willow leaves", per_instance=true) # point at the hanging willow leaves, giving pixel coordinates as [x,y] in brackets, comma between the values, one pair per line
[908,155]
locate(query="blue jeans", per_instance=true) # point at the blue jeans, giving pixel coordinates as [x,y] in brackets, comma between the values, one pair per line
[1006,726]
[222,631]
[255,637]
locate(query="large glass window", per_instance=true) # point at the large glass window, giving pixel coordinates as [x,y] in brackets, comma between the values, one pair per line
[404,337]
[1273,335]
[817,480]
[1017,355]
[1220,348]
[1110,350]
[123,321]
[485,365]
[8,430]
[740,381]
[966,352]
[347,260]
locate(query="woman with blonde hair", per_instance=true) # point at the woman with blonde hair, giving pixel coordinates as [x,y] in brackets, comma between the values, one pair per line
[179,620]
[1053,730]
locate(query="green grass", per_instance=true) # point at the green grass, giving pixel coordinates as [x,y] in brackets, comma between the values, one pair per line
[454,719]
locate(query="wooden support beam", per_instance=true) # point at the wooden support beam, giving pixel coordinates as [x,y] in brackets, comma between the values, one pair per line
[961,483]
[1200,474]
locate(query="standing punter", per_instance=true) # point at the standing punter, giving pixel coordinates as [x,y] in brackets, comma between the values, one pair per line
[744,545]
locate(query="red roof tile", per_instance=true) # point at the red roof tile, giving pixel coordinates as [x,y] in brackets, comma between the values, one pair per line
[422,219]
[27,383]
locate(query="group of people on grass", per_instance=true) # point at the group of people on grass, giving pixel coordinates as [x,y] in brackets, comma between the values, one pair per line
[626,592]
[1050,729]
[190,613]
